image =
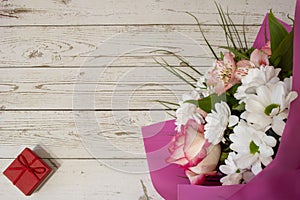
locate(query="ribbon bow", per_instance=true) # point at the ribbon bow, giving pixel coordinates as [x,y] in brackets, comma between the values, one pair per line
[26,166]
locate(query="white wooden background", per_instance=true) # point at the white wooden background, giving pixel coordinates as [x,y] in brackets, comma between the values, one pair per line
[44,47]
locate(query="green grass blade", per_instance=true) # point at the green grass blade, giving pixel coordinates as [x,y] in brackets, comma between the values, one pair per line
[181,59]
[244,33]
[167,102]
[194,79]
[225,31]
[206,41]
[235,52]
[171,70]
[235,31]
[223,24]
[226,24]
[171,115]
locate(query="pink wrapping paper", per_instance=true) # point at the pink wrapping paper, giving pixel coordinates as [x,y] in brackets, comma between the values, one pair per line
[279,181]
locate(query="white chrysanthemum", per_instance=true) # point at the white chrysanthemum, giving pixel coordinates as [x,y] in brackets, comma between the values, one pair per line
[217,122]
[234,175]
[188,111]
[265,75]
[268,108]
[254,147]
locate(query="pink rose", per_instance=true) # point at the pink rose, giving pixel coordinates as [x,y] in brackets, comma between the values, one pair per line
[193,152]
[188,146]
[206,167]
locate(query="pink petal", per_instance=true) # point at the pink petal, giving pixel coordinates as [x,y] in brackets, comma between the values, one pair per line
[242,68]
[195,179]
[198,179]
[259,58]
[210,162]
[194,140]
[229,60]
[220,88]
[177,157]
[267,48]
[201,126]
[177,140]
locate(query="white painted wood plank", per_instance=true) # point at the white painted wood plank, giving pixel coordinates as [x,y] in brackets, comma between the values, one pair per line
[88,179]
[90,88]
[66,134]
[109,45]
[74,12]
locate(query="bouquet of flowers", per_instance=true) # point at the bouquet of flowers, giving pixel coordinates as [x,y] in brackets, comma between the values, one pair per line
[230,127]
[234,118]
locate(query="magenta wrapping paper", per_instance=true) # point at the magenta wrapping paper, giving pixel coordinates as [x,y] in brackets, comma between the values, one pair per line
[279,181]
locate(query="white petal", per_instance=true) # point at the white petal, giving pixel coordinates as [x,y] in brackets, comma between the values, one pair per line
[278,126]
[227,169]
[291,96]
[264,94]
[270,141]
[253,104]
[266,160]
[256,167]
[233,120]
[245,161]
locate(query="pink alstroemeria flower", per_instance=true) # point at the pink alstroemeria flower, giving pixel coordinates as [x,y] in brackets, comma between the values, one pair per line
[226,73]
[261,56]
[193,152]
[257,59]
[242,68]
[222,76]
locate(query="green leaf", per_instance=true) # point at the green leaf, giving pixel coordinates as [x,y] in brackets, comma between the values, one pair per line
[223,157]
[277,31]
[283,55]
[207,104]
[239,107]
[233,89]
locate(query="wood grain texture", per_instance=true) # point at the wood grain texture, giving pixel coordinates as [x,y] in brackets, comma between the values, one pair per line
[88,179]
[78,46]
[81,12]
[110,88]
[67,134]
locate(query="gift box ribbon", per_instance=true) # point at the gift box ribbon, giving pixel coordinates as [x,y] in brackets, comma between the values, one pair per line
[26,166]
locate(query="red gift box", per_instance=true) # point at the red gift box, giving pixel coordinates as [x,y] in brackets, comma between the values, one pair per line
[27,171]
